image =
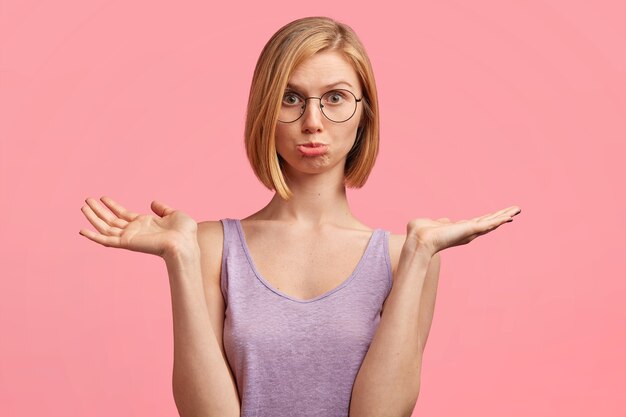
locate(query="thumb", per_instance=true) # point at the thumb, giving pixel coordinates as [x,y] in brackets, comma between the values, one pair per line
[161,208]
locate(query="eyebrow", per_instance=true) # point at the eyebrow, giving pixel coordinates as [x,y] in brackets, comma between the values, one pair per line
[331,85]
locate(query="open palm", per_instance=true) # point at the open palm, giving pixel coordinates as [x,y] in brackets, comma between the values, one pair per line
[436,235]
[158,235]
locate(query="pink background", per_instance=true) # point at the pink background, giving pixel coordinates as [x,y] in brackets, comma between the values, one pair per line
[484,105]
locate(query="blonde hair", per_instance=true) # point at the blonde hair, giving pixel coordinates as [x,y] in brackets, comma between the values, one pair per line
[287,48]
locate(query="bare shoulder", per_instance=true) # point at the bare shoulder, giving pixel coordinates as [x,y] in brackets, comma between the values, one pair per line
[211,242]
[396,241]
[210,227]
[210,233]
[395,247]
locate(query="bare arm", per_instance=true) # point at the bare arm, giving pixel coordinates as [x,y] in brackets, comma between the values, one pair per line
[429,290]
[389,378]
[202,383]
[429,297]
[201,380]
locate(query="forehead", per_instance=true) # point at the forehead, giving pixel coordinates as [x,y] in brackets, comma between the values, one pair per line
[322,70]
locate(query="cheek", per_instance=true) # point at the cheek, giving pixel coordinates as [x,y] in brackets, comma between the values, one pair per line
[352,129]
[281,134]
[282,138]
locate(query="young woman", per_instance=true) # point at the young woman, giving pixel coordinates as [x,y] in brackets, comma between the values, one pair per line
[299,309]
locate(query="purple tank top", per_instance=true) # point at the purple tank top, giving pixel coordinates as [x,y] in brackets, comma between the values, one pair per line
[295,357]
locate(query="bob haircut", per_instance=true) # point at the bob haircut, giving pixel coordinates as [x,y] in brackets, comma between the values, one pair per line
[286,49]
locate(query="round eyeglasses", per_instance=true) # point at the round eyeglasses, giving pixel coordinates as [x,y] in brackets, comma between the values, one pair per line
[336,105]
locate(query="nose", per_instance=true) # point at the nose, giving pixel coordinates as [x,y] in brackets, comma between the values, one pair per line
[312,117]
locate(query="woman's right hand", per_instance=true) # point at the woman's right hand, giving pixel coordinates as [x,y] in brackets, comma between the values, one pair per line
[169,233]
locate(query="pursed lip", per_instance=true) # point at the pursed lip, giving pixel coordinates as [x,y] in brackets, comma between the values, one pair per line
[312,149]
[312,144]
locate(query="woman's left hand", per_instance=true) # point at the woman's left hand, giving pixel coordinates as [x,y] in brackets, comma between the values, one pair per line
[436,235]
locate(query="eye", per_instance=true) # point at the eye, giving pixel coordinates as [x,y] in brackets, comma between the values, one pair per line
[291,99]
[335,97]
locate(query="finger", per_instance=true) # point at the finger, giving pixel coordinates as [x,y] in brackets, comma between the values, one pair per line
[160,208]
[489,216]
[443,220]
[100,225]
[488,225]
[507,212]
[109,241]
[110,219]
[119,211]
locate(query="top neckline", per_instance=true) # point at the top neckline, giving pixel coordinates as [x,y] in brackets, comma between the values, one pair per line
[265,282]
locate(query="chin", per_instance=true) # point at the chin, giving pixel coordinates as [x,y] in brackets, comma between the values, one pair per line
[308,165]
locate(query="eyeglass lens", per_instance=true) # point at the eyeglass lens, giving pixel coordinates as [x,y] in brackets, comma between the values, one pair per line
[337,105]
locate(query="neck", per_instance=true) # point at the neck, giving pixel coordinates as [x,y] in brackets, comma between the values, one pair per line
[318,199]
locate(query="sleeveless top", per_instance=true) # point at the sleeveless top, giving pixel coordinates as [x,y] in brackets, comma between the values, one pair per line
[294,357]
